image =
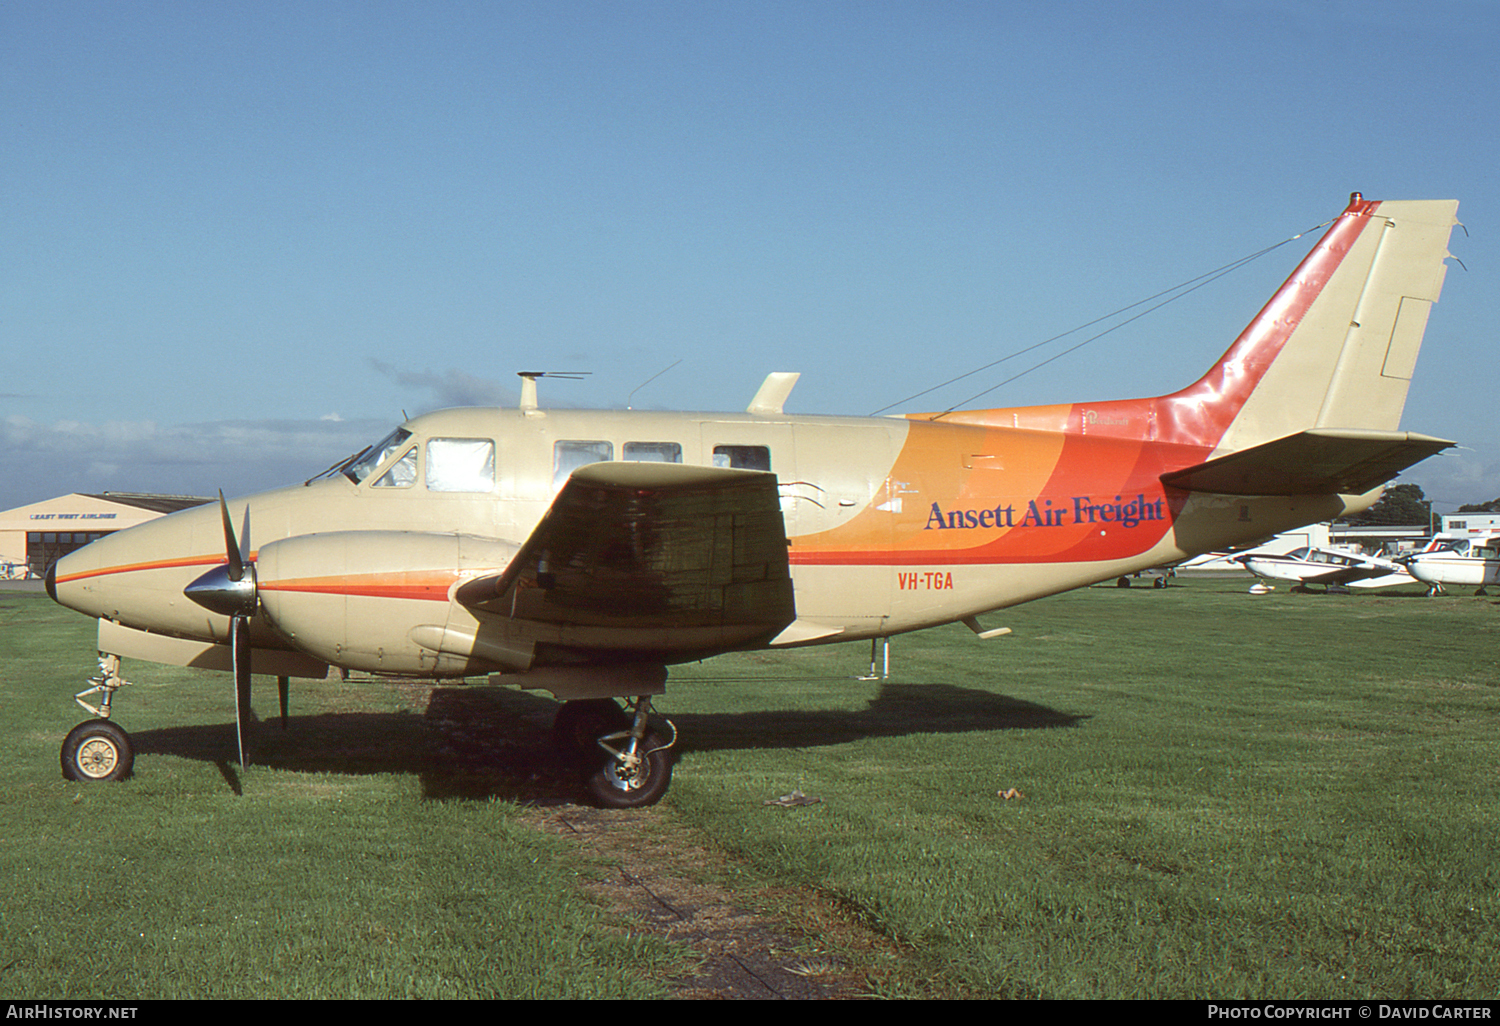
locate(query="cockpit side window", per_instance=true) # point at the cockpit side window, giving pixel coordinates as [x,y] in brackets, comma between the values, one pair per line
[376,455]
[460,465]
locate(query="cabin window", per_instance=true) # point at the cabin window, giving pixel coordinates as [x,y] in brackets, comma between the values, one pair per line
[403,473]
[568,456]
[377,454]
[460,465]
[653,452]
[742,457]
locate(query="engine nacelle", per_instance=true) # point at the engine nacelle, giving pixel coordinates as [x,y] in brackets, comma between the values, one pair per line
[351,598]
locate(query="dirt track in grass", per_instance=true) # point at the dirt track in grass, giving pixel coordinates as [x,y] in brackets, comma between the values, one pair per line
[654,877]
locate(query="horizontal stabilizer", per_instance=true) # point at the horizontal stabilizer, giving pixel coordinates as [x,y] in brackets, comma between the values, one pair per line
[1319,461]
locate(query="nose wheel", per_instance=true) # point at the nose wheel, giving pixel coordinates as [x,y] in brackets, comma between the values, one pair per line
[97,750]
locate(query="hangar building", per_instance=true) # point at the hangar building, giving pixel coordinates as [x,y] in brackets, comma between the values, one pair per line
[33,537]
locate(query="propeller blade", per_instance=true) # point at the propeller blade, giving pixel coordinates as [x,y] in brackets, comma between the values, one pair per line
[228,590]
[232,546]
[239,646]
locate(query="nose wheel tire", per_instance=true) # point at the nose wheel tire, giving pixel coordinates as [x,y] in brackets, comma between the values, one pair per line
[97,750]
[631,778]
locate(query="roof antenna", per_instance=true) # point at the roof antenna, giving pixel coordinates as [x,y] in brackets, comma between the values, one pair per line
[528,384]
[648,381]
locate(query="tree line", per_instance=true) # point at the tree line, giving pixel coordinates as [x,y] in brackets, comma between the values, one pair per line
[1404,505]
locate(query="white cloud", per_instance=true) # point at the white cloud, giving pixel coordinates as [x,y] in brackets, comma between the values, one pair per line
[39,461]
[1465,474]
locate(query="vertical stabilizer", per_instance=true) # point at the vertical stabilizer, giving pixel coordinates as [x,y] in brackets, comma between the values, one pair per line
[1333,350]
[1335,347]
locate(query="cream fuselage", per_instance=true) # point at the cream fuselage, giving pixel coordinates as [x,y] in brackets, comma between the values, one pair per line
[892,525]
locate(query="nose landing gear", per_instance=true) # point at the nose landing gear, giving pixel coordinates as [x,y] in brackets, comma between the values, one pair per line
[97,749]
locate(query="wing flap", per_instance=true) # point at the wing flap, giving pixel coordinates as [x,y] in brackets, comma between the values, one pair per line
[654,547]
[1319,461]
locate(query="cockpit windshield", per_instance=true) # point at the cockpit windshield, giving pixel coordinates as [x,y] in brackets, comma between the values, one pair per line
[363,465]
[363,462]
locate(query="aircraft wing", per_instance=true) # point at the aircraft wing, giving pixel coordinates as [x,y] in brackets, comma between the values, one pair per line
[651,546]
[1346,574]
[1318,461]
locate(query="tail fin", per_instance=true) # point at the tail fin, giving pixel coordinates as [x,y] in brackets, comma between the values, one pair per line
[1335,347]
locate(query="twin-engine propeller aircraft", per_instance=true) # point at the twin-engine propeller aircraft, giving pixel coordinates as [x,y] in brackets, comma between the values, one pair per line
[585,552]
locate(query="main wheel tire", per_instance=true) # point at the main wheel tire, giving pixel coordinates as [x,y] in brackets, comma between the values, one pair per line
[97,750]
[580,724]
[613,786]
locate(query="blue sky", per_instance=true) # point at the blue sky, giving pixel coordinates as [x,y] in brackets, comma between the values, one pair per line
[240,239]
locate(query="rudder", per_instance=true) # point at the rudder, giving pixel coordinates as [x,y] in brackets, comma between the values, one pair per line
[1337,344]
[1374,368]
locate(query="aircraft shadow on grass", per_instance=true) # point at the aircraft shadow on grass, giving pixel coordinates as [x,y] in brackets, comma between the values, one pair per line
[482,742]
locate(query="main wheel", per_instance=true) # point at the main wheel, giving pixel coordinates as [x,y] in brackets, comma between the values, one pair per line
[580,723]
[97,750]
[632,783]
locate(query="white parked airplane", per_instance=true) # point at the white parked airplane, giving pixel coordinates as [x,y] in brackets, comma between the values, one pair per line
[1330,567]
[1467,562]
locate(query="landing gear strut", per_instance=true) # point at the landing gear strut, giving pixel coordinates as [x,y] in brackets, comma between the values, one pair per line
[97,749]
[636,765]
[581,723]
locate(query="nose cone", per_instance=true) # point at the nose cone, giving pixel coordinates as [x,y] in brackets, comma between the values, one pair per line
[1421,571]
[136,576]
[68,579]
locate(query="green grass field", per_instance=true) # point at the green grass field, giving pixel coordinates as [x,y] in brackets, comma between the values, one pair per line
[1212,795]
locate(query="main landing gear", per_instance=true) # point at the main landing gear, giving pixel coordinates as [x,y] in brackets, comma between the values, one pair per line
[97,749]
[630,764]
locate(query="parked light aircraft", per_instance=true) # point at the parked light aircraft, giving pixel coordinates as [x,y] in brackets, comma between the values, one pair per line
[585,552]
[1464,562]
[1330,567]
